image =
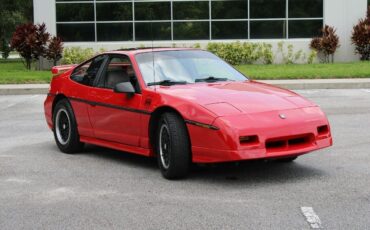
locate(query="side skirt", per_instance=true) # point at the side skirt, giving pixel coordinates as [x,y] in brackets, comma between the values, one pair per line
[117,146]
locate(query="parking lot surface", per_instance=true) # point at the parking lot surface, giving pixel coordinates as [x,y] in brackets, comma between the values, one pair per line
[42,188]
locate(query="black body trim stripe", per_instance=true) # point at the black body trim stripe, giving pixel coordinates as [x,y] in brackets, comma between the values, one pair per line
[93,103]
[201,125]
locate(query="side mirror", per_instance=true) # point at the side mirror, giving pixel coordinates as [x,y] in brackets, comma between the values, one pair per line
[124,87]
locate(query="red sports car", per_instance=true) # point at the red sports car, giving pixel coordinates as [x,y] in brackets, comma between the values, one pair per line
[181,105]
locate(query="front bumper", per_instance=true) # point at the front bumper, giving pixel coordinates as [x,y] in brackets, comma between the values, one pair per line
[298,134]
[211,155]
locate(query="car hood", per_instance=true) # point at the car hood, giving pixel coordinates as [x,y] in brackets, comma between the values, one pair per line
[230,98]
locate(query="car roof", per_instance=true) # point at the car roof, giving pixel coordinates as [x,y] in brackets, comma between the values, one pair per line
[147,50]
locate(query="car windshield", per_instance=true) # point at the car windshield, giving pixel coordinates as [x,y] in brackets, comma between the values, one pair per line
[185,66]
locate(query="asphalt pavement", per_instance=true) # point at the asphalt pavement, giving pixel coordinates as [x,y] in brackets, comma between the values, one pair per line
[42,188]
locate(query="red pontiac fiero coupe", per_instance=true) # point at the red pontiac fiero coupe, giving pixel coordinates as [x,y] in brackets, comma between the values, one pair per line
[181,105]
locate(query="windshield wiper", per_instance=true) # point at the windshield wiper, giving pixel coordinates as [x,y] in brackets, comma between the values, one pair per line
[211,79]
[167,83]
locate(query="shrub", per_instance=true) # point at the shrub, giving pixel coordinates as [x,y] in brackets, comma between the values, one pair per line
[41,40]
[327,44]
[29,41]
[361,37]
[289,56]
[55,49]
[76,55]
[196,46]
[312,57]
[102,50]
[237,53]
[5,48]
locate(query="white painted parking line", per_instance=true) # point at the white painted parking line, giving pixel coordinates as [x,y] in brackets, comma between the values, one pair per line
[22,101]
[366,90]
[311,217]
[10,105]
[18,180]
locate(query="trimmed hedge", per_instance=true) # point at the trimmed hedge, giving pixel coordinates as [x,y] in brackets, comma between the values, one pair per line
[76,55]
[239,53]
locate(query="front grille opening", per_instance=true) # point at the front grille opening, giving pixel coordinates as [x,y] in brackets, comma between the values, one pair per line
[323,130]
[275,144]
[298,141]
[289,143]
[249,140]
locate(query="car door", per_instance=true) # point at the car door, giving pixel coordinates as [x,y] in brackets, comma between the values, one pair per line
[116,116]
[83,78]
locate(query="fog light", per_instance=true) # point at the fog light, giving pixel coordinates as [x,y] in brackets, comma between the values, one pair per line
[323,130]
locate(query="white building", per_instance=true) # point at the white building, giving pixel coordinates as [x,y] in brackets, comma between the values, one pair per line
[114,24]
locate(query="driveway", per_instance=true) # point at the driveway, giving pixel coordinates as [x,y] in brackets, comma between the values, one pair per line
[42,188]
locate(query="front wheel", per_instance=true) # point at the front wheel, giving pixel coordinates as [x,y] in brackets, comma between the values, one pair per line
[65,128]
[173,147]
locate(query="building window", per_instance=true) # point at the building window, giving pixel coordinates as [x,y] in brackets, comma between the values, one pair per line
[229,30]
[75,12]
[171,20]
[268,8]
[75,32]
[305,8]
[153,31]
[114,32]
[268,29]
[146,11]
[234,9]
[117,11]
[190,10]
[304,28]
[191,30]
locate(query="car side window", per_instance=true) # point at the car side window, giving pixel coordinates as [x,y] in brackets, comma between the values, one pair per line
[87,73]
[119,69]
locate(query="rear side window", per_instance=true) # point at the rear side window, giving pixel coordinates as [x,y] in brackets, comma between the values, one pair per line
[87,73]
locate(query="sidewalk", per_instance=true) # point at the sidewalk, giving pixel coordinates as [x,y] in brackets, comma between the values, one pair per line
[357,83]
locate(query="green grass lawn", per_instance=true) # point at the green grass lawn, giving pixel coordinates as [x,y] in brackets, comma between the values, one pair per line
[14,72]
[306,71]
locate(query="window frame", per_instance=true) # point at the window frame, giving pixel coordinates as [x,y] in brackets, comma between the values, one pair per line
[97,74]
[109,57]
[172,20]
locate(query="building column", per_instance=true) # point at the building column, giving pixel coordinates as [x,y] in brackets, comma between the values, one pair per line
[44,12]
[343,15]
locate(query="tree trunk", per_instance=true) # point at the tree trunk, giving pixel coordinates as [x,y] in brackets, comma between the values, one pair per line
[28,64]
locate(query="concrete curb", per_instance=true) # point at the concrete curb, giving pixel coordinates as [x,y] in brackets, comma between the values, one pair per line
[357,83]
[21,89]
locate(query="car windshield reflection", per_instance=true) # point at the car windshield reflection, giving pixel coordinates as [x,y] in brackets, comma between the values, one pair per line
[185,66]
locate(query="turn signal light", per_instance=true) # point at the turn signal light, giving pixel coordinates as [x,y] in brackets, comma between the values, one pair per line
[249,140]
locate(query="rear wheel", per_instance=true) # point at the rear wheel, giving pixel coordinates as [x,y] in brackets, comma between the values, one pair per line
[172,146]
[65,128]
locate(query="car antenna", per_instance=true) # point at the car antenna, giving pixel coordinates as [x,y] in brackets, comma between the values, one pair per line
[152,37]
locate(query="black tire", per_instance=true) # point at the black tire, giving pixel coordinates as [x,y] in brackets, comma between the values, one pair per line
[65,128]
[174,156]
[286,160]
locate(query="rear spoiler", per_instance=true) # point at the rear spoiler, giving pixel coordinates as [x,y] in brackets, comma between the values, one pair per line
[56,70]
